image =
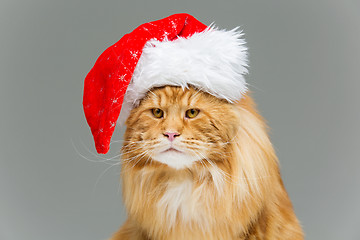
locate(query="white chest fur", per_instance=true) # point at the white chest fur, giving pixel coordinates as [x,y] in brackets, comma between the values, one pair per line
[181,202]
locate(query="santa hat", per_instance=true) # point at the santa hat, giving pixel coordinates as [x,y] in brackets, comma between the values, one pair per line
[178,51]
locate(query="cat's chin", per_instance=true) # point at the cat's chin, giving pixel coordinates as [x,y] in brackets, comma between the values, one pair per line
[175,159]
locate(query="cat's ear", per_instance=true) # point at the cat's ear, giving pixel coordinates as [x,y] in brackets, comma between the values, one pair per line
[107,82]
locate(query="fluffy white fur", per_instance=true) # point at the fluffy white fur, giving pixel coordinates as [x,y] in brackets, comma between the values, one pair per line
[214,61]
[176,160]
[179,159]
[177,200]
[183,200]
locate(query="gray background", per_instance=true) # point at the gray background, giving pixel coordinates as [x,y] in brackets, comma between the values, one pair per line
[305,61]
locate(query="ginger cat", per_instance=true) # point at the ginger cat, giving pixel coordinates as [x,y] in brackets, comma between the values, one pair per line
[198,167]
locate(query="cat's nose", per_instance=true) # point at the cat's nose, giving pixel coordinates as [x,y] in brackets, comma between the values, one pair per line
[171,135]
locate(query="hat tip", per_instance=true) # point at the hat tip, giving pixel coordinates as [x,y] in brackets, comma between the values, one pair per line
[102,149]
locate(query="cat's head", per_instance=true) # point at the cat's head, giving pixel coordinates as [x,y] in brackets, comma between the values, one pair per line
[179,128]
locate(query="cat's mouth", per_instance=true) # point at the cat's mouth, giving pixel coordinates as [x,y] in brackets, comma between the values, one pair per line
[171,149]
[174,157]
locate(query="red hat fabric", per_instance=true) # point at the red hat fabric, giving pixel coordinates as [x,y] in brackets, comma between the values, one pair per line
[177,50]
[106,83]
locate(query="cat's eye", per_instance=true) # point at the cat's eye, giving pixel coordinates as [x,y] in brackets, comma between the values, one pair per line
[157,112]
[191,113]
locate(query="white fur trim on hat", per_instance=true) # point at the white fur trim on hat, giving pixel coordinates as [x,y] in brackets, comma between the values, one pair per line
[214,61]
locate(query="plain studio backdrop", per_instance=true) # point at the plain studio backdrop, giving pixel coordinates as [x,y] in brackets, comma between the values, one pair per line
[304,75]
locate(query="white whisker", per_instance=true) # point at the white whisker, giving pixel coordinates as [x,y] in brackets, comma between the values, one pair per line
[103,173]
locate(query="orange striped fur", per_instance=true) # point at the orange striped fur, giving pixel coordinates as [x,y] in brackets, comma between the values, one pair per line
[231,190]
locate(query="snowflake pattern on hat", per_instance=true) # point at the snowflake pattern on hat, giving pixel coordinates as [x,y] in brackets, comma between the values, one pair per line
[221,55]
[106,83]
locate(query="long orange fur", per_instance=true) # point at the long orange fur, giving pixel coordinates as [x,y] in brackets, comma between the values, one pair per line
[234,191]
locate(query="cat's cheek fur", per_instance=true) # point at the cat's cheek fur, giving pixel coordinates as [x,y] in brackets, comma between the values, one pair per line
[176,160]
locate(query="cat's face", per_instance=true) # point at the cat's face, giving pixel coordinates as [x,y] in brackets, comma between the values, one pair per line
[179,128]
